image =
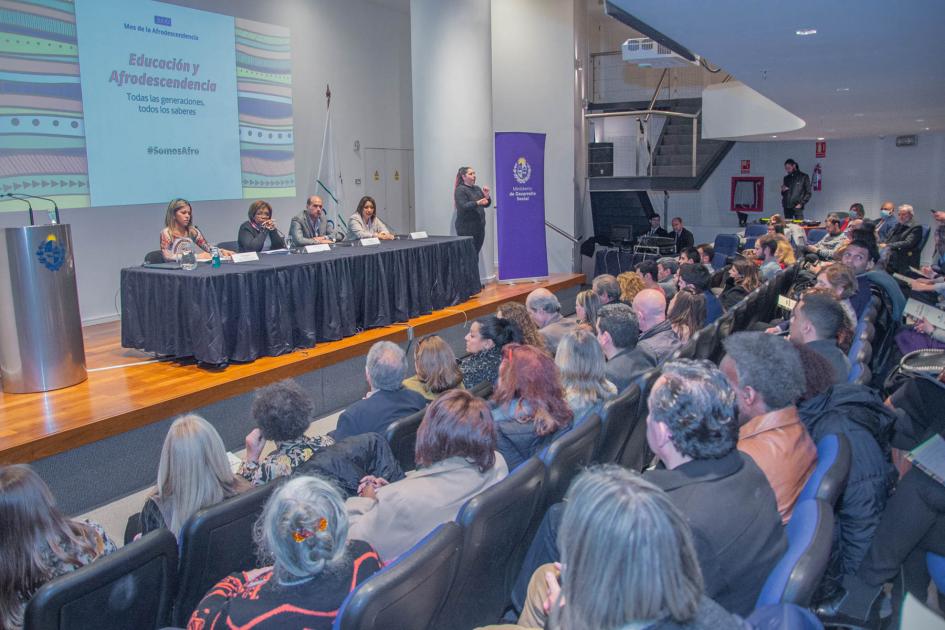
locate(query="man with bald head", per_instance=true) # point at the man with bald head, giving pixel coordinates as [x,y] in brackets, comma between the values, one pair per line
[657,336]
[545,311]
[310,227]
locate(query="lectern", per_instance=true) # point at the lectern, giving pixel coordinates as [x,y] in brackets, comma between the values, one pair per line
[41,345]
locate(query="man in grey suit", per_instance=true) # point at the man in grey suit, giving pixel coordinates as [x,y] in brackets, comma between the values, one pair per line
[545,311]
[310,227]
[617,334]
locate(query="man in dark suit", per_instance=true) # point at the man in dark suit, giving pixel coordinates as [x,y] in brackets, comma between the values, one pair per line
[723,494]
[681,236]
[655,228]
[617,333]
[310,227]
[388,399]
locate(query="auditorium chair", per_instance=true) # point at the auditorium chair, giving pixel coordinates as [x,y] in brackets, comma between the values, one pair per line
[743,313]
[131,588]
[815,235]
[154,257]
[705,339]
[798,573]
[482,390]
[636,452]
[618,421]
[215,542]
[752,232]
[725,248]
[494,525]
[408,593]
[829,478]
[567,456]
[233,246]
[402,436]
[936,566]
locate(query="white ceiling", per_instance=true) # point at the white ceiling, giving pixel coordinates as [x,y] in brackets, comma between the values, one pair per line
[875,67]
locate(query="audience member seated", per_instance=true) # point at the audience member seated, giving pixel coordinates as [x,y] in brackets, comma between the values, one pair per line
[722,493]
[518,313]
[690,256]
[545,311]
[697,277]
[457,459]
[260,227]
[628,560]
[686,313]
[887,221]
[937,268]
[607,288]
[586,306]
[826,247]
[666,269]
[657,336]
[528,405]
[39,543]
[193,473]
[580,362]
[630,283]
[768,251]
[857,412]
[649,271]
[682,238]
[794,232]
[436,368]
[655,228]
[484,343]
[706,253]
[816,321]
[902,244]
[303,531]
[766,374]
[785,254]
[387,399]
[861,256]
[840,281]
[618,332]
[743,278]
[283,413]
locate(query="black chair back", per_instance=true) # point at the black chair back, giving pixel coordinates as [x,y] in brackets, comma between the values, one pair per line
[482,390]
[131,588]
[233,246]
[636,453]
[494,526]
[408,593]
[567,455]
[745,312]
[215,542]
[154,257]
[619,419]
[402,436]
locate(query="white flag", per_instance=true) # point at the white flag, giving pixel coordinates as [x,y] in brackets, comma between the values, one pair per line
[328,183]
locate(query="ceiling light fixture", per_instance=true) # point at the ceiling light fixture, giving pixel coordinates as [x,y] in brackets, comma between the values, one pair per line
[843,89]
[928,128]
[774,136]
[858,115]
[803,32]
[920,119]
[820,138]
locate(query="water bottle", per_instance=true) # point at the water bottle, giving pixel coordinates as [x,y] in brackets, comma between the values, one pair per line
[215,257]
[188,259]
[289,243]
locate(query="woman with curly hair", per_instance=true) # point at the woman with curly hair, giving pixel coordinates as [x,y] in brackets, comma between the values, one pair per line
[528,406]
[515,312]
[282,413]
[630,283]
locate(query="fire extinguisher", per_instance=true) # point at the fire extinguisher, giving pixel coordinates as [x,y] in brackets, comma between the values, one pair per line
[817,178]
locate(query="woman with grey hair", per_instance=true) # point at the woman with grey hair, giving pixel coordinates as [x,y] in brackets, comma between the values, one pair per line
[627,561]
[282,412]
[580,362]
[303,531]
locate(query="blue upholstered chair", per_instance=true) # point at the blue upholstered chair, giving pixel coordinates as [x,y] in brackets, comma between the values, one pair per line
[567,456]
[816,235]
[833,467]
[936,565]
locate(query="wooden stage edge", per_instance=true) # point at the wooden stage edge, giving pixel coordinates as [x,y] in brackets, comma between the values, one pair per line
[128,389]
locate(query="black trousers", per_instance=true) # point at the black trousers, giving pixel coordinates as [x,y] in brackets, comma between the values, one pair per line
[794,213]
[476,230]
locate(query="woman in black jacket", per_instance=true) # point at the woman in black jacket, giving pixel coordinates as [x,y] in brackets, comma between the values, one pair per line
[253,233]
[471,201]
[743,278]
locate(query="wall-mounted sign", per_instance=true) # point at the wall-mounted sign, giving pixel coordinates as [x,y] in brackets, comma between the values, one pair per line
[820,149]
[906,141]
[746,167]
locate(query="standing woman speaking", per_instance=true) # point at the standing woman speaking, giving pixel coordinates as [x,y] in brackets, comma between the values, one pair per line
[471,201]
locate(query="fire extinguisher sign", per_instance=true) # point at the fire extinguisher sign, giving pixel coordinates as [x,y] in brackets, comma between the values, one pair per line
[820,149]
[817,179]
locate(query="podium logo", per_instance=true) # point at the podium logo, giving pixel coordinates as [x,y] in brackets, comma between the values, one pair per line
[51,253]
[522,170]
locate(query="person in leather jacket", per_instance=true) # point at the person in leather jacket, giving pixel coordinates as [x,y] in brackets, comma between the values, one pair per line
[795,190]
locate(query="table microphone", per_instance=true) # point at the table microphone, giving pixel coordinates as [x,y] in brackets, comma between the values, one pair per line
[26,201]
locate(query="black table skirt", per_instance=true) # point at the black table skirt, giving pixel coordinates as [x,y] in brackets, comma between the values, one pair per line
[239,312]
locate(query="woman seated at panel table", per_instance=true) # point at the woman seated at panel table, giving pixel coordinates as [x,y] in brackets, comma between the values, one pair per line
[253,233]
[178,227]
[364,223]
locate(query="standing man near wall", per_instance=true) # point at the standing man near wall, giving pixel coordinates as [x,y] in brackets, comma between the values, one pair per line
[795,190]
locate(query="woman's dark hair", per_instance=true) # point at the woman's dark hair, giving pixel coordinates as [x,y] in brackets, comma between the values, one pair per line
[459,175]
[457,424]
[282,411]
[256,206]
[528,377]
[770,245]
[364,200]
[500,331]
[858,208]
[750,278]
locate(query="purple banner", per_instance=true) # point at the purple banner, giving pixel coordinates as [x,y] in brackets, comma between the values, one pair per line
[520,204]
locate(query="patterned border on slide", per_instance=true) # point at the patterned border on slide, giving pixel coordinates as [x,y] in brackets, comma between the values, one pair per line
[264,90]
[42,131]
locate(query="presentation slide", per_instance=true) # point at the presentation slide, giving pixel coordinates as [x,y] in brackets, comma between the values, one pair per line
[112,102]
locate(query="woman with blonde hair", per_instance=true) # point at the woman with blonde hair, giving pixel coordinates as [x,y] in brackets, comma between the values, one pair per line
[193,473]
[39,543]
[686,313]
[785,253]
[586,306]
[179,226]
[580,361]
[630,283]
[518,313]
[436,367]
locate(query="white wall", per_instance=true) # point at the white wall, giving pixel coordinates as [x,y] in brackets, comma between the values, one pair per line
[865,170]
[362,49]
[533,88]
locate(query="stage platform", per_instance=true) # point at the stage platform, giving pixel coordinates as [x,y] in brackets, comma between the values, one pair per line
[127,389]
